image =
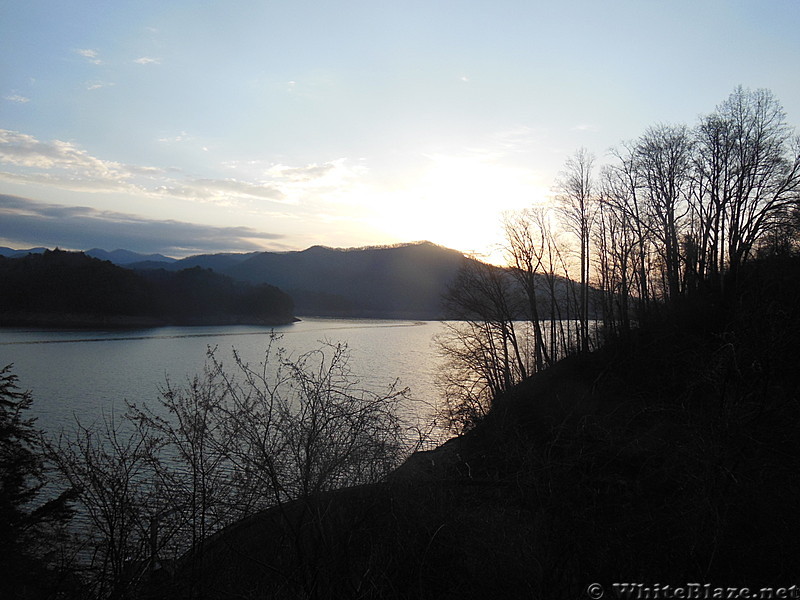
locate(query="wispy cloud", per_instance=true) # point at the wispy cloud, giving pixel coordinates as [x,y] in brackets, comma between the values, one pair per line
[63,164]
[90,55]
[305,173]
[333,173]
[174,139]
[97,85]
[269,190]
[26,151]
[16,98]
[147,60]
[221,191]
[28,222]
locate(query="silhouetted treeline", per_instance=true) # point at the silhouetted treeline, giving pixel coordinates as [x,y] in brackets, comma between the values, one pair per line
[669,224]
[74,289]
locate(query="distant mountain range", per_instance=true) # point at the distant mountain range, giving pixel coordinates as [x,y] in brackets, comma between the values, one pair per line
[118,257]
[126,257]
[402,281]
[11,253]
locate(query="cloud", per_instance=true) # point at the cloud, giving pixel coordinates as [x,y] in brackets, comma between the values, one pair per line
[304,174]
[63,164]
[16,98]
[147,60]
[181,137]
[332,174]
[25,222]
[221,190]
[274,187]
[26,151]
[96,85]
[90,55]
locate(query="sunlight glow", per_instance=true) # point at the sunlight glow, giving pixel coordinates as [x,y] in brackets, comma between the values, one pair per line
[458,202]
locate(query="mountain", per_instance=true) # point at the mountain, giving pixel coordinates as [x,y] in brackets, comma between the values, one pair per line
[126,257]
[11,253]
[218,262]
[58,288]
[118,257]
[404,281]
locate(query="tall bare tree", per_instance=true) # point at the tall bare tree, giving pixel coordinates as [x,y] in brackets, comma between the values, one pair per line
[577,207]
[526,245]
[483,350]
[664,158]
[748,168]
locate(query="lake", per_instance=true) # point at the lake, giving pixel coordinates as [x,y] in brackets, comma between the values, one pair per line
[87,374]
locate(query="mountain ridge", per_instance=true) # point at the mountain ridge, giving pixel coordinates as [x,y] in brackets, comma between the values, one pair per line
[394,281]
[398,281]
[405,281]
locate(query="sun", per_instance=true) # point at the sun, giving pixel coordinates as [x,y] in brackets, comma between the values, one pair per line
[459,202]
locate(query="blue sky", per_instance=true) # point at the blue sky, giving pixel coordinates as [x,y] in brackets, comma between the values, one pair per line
[185,127]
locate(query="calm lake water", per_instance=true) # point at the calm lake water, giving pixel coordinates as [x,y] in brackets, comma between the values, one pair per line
[86,374]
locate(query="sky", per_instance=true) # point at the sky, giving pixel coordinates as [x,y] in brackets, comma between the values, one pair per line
[187,127]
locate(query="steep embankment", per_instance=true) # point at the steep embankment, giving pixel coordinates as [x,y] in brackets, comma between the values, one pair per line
[669,457]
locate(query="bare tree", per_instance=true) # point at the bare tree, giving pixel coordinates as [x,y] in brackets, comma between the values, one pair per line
[106,463]
[155,485]
[748,171]
[616,242]
[526,245]
[664,158]
[624,194]
[577,208]
[484,352]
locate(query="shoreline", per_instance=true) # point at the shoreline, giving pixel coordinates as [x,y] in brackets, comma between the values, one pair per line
[81,321]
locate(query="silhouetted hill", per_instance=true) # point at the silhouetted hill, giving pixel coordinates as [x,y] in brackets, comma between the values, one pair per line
[60,288]
[401,281]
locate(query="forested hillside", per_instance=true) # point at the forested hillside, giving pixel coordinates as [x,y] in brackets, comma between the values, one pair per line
[71,289]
